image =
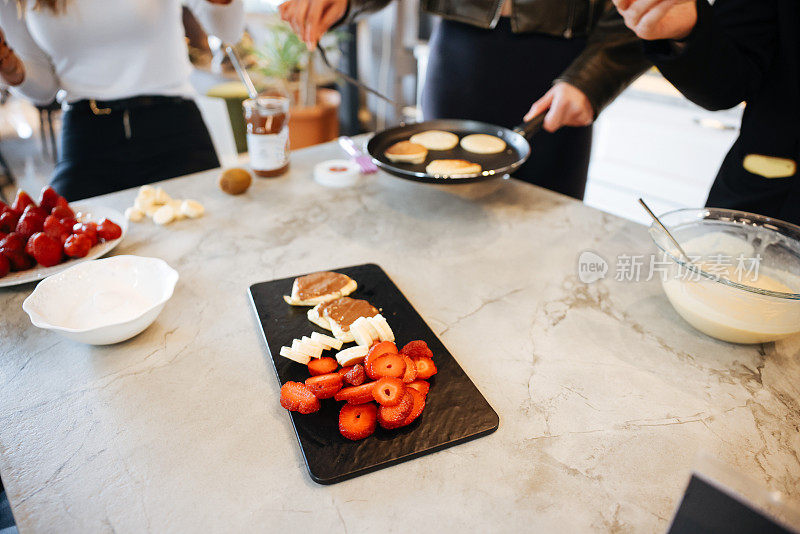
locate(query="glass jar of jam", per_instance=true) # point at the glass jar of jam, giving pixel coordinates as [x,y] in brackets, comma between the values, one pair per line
[267,119]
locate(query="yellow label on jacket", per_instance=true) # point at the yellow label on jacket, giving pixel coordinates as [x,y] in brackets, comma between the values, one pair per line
[770,166]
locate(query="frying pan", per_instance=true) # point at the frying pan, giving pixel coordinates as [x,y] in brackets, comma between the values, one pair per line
[518,149]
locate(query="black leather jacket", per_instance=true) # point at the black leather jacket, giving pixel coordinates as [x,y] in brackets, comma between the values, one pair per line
[613,56]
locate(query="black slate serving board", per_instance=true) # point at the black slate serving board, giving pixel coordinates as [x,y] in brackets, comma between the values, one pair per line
[455,410]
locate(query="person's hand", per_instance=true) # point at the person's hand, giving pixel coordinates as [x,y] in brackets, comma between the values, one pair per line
[12,71]
[659,19]
[567,105]
[310,19]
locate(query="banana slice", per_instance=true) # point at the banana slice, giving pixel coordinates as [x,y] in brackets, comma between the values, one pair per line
[164,215]
[176,208]
[134,214]
[328,341]
[352,356]
[314,343]
[383,328]
[293,355]
[161,197]
[371,330]
[361,334]
[309,350]
[192,209]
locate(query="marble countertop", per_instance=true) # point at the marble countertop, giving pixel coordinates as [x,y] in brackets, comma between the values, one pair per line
[605,395]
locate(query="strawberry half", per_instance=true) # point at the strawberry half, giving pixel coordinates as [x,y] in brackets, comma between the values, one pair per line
[394,416]
[356,394]
[418,348]
[388,391]
[378,350]
[297,397]
[425,368]
[357,421]
[325,386]
[421,386]
[322,366]
[388,365]
[411,370]
[416,410]
[353,375]
[5,266]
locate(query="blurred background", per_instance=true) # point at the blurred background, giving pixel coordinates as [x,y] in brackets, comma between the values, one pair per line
[651,142]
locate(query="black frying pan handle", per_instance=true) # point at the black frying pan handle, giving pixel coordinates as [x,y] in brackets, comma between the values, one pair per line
[527,129]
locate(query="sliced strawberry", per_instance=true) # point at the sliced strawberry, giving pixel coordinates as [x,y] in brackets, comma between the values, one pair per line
[48,199]
[21,201]
[322,366]
[108,230]
[394,416]
[411,370]
[425,368]
[388,365]
[357,421]
[388,391]
[421,386]
[5,266]
[45,250]
[377,350]
[417,348]
[416,410]
[325,386]
[356,394]
[297,397]
[353,375]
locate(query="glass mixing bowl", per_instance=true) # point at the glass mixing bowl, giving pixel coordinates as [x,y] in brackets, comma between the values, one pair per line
[742,281]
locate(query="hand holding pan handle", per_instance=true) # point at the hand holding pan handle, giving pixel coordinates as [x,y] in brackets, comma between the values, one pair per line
[527,129]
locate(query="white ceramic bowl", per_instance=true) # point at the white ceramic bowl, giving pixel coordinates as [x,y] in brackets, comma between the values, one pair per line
[102,301]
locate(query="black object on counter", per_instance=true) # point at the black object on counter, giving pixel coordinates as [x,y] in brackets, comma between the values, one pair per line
[708,509]
[455,411]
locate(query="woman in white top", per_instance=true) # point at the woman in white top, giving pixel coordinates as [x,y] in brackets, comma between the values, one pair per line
[124,70]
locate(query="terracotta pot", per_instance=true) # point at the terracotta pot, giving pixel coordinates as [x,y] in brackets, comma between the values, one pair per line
[312,125]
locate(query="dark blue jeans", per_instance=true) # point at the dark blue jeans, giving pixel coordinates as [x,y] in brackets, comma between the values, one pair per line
[494,76]
[100,155]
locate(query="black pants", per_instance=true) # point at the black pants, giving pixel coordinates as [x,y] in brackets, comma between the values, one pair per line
[100,155]
[494,76]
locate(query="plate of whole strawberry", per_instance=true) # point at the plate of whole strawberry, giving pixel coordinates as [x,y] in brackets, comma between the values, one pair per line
[382,391]
[41,238]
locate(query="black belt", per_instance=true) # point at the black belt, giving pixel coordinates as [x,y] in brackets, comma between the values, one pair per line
[105,107]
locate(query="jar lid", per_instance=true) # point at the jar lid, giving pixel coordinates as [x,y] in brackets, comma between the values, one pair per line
[337,173]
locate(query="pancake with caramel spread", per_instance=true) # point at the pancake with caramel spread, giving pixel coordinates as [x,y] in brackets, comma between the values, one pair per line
[324,286]
[337,315]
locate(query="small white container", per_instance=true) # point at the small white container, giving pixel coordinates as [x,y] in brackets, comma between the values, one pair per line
[337,173]
[104,301]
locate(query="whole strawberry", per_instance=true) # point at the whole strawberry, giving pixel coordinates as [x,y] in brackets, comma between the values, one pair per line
[21,201]
[48,199]
[45,250]
[77,246]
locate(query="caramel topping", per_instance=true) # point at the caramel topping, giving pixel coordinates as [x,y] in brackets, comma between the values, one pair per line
[344,311]
[318,284]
